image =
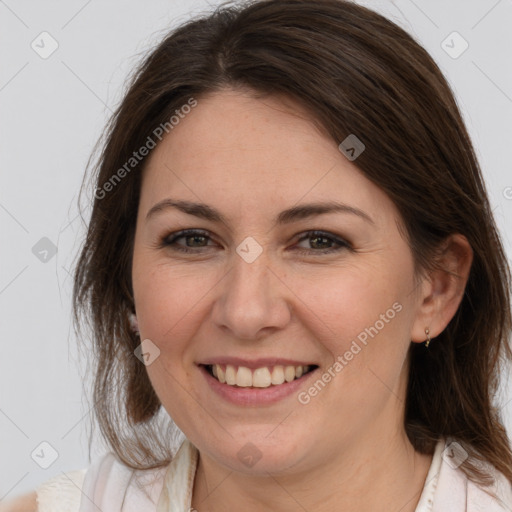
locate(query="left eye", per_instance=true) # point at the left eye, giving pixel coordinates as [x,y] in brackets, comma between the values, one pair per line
[319,241]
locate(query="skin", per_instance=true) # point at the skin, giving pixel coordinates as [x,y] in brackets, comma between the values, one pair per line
[24,503]
[346,449]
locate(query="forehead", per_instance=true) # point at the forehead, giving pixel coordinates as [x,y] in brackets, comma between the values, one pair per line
[230,125]
[246,152]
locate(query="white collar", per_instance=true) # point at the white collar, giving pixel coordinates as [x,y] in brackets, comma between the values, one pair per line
[446,489]
[178,485]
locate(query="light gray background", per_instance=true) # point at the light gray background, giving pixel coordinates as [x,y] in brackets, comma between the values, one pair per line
[52,112]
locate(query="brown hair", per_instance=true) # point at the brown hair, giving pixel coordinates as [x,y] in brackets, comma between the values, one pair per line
[357,73]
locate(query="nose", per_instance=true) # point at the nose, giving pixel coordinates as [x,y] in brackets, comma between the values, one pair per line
[253,300]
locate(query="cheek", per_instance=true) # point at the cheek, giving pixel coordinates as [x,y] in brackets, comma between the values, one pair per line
[363,316]
[170,303]
[347,302]
[363,320]
[168,300]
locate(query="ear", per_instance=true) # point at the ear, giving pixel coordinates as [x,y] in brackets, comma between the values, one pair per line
[134,324]
[443,289]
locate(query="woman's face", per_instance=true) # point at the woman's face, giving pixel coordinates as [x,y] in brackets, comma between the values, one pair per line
[256,297]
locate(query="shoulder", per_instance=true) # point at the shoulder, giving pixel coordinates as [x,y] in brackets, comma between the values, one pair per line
[24,503]
[111,485]
[454,488]
[107,484]
[496,497]
[60,493]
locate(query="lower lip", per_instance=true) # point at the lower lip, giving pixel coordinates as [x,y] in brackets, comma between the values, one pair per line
[255,396]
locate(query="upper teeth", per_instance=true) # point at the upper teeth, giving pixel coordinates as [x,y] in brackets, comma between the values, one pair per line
[260,377]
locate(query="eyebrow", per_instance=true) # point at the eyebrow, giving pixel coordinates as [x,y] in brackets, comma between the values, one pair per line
[288,216]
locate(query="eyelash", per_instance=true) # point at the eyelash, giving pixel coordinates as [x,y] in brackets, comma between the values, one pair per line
[170,241]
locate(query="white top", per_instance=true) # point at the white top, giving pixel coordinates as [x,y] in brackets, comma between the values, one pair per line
[110,486]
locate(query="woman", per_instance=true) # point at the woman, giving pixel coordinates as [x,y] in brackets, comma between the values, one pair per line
[292,255]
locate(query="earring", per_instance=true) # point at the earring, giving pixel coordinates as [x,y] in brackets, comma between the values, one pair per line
[134,325]
[427,332]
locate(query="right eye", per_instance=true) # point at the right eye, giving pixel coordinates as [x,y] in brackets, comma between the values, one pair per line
[192,236]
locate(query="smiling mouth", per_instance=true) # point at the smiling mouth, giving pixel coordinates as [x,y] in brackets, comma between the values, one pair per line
[264,377]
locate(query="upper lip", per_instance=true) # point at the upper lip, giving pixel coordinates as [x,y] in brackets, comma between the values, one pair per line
[254,363]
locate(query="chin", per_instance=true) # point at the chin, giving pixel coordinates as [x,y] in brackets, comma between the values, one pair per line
[258,454]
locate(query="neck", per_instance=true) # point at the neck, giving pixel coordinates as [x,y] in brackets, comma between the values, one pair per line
[368,474]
